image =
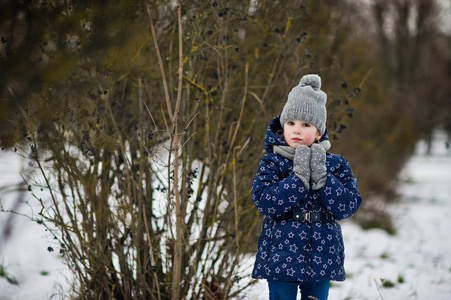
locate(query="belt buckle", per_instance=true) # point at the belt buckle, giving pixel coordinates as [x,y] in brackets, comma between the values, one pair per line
[307,216]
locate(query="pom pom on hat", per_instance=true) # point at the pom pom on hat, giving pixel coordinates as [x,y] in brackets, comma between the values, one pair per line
[312,80]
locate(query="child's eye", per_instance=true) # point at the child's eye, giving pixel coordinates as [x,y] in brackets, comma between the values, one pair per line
[307,125]
[291,123]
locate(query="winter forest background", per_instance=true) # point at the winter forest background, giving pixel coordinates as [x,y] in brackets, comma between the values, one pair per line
[139,125]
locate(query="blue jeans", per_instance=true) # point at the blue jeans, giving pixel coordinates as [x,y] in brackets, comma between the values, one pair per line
[281,290]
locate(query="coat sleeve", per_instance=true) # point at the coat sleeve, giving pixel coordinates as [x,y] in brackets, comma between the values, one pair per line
[340,195]
[273,194]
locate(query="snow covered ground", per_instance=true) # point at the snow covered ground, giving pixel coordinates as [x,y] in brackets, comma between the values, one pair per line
[416,261]
[24,254]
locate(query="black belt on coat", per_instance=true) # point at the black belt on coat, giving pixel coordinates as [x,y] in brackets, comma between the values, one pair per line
[308,216]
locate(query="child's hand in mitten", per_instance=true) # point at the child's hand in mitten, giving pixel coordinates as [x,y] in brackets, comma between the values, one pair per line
[301,164]
[318,167]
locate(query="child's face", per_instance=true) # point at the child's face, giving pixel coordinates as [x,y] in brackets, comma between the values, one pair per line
[298,133]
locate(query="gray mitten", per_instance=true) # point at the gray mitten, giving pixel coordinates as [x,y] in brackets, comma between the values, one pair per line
[301,164]
[318,167]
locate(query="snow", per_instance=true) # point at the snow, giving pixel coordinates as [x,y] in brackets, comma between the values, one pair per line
[24,254]
[416,260]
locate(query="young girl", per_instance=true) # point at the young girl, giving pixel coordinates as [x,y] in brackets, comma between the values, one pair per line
[302,191]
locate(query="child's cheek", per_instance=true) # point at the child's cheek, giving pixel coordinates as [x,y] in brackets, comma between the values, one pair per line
[309,136]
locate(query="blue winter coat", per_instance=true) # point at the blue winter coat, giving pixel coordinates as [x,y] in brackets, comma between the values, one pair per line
[300,251]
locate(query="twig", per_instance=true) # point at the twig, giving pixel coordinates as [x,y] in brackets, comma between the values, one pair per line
[152,260]
[177,267]
[366,76]
[160,63]
[379,289]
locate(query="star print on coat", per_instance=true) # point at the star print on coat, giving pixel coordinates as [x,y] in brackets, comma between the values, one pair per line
[291,250]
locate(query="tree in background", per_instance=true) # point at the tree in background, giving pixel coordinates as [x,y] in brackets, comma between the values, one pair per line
[417,59]
[144,122]
[406,99]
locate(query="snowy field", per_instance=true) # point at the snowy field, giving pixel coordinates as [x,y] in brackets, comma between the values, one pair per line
[24,253]
[416,262]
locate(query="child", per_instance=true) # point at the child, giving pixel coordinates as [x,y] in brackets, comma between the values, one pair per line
[302,190]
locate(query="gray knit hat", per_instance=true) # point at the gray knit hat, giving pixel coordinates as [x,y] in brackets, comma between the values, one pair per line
[306,102]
